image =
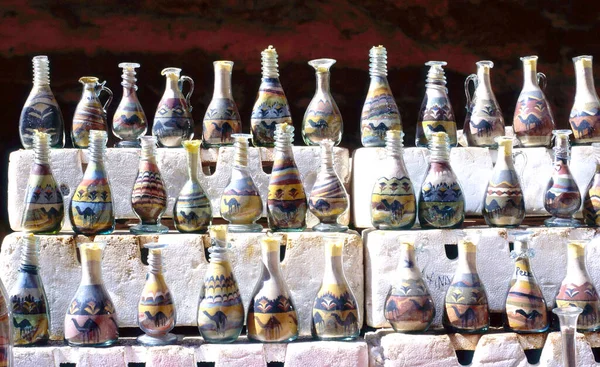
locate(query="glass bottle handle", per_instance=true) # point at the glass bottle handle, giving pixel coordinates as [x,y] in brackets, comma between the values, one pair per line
[470,78]
[542,80]
[110,95]
[185,78]
[524,156]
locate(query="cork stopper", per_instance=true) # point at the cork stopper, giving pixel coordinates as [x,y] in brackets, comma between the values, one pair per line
[271,242]
[191,146]
[91,251]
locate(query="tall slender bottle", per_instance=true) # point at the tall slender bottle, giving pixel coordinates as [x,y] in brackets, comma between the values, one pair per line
[393,202]
[90,114]
[328,199]
[568,317]
[29,304]
[271,107]
[562,198]
[157,315]
[322,119]
[441,203]
[91,209]
[525,307]
[335,313]
[533,121]
[220,309]
[466,305]
[286,202]
[222,118]
[436,114]
[380,112]
[192,212]
[241,204]
[173,122]
[91,319]
[577,288]
[484,121]
[272,316]
[149,195]
[41,111]
[409,306]
[585,113]
[44,209]
[591,202]
[129,122]
[503,203]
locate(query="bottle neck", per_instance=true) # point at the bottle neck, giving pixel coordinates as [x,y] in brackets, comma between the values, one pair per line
[240,159]
[483,78]
[172,85]
[155,262]
[562,150]
[467,258]
[576,260]
[41,72]
[439,153]
[505,159]
[523,269]
[41,149]
[408,261]
[29,255]
[89,92]
[323,81]
[192,160]
[530,74]
[270,259]
[327,157]
[91,266]
[96,151]
[148,151]
[333,273]
[584,80]
[222,81]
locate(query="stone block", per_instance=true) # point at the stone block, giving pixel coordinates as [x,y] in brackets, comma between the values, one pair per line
[101,357]
[417,350]
[172,355]
[122,164]
[493,259]
[331,354]
[184,267]
[34,357]
[499,350]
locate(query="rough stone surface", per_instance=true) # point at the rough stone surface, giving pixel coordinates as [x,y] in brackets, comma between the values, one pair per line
[493,259]
[34,357]
[170,356]
[99,357]
[331,354]
[499,350]
[423,350]
[473,167]
[184,267]
[552,352]
[122,164]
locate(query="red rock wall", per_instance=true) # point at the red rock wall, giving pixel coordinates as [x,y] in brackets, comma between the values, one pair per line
[91,39]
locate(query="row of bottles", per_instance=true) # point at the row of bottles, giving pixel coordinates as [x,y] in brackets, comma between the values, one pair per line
[91,318]
[409,306]
[441,202]
[173,122]
[91,208]
[533,120]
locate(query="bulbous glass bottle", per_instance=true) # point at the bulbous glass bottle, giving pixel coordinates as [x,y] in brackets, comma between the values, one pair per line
[335,313]
[222,118]
[409,306]
[272,316]
[380,112]
[393,202]
[156,307]
[466,306]
[173,122]
[503,203]
[129,122]
[322,119]
[577,288]
[44,209]
[29,304]
[90,114]
[192,212]
[436,114]
[328,199]
[6,330]
[441,203]
[484,122]
[41,111]
[91,209]
[533,121]
[220,309]
[562,198]
[91,319]
[271,107]
[149,195]
[585,113]
[591,202]
[241,204]
[286,202]
[525,307]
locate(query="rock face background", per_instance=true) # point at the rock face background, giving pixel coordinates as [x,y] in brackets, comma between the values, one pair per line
[92,39]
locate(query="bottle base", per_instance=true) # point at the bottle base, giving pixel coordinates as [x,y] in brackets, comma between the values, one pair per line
[150,341]
[240,228]
[347,338]
[107,343]
[128,144]
[330,227]
[148,228]
[288,340]
[562,222]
